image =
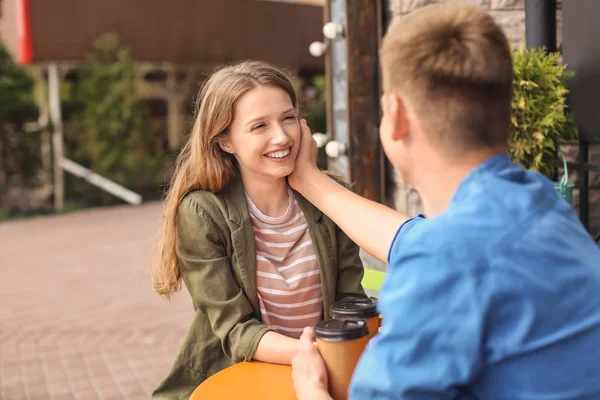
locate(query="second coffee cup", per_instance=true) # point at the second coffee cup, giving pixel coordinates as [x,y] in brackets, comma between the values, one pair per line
[358,308]
[341,343]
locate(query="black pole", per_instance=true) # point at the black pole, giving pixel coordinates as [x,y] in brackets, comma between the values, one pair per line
[584,184]
[540,24]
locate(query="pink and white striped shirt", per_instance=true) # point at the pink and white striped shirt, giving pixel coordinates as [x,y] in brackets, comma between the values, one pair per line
[288,278]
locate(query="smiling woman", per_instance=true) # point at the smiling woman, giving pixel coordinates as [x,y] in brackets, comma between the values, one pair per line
[259,261]
[263,138]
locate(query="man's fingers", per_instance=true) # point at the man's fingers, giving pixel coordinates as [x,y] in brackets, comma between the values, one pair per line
[306,134]
[306,340]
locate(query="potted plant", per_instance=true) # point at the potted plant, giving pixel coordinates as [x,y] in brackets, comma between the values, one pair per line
[540,120]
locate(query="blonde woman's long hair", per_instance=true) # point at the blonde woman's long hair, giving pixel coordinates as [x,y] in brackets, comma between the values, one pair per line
[201,163]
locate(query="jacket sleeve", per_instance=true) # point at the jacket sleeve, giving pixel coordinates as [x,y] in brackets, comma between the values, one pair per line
[350,266]
[207,273]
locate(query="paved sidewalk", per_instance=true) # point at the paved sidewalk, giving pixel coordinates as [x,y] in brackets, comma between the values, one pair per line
[78,317]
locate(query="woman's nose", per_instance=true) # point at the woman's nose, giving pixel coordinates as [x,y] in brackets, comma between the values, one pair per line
[280,136]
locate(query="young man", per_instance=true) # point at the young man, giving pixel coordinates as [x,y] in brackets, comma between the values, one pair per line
[495,294]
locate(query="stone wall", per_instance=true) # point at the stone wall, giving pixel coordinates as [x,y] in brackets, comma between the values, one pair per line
[510,14]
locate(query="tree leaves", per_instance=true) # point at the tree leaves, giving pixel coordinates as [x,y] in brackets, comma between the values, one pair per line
[117,142]
[539,121]
[20,157]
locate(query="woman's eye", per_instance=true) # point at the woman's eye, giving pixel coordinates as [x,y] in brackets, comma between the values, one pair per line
[257,126]
[290,117]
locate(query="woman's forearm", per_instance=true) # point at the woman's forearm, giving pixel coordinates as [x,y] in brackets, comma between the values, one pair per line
[276,349]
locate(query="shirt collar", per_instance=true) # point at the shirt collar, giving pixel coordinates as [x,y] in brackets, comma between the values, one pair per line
[493,163]
[237,205]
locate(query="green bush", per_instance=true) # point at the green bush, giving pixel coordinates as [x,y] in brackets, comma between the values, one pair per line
[114,137]
[540,122]
[20,157]
[317,111]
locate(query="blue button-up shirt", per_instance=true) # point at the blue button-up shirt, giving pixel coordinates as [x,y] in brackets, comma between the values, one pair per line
[496,298]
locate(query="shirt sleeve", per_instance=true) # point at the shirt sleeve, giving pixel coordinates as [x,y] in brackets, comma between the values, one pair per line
[429,342]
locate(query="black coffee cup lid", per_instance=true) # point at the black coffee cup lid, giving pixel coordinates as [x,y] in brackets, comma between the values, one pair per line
[355,307]
[339,330]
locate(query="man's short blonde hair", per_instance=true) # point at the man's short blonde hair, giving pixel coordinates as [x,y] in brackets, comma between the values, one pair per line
[453,64]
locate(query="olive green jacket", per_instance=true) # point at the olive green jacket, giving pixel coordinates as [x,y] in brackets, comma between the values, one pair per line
[217,258]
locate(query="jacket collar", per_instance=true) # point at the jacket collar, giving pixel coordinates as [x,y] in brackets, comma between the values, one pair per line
[237,205]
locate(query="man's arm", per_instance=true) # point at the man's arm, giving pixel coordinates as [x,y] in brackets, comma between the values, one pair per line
[369,224]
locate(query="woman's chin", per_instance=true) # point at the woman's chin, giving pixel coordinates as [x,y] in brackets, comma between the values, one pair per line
[283,173]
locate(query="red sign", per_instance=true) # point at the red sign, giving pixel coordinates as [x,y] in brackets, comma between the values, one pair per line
[24,32]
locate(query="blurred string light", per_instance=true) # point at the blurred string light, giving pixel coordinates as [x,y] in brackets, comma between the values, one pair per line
[331,31]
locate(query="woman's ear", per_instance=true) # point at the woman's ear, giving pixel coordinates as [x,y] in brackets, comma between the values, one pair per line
[225,145]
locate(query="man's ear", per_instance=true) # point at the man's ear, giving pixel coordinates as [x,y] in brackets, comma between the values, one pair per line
[398,114]
[225,145]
